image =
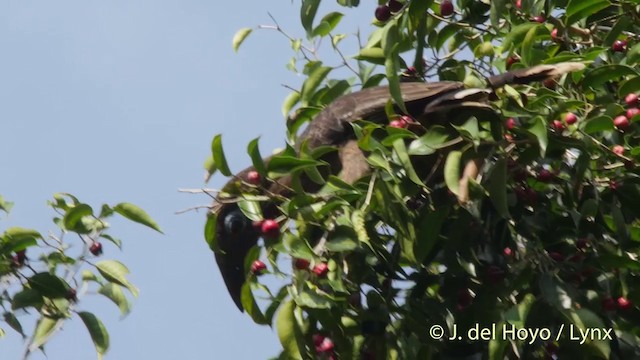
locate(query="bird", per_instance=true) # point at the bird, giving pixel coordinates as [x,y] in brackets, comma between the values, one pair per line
[428,103]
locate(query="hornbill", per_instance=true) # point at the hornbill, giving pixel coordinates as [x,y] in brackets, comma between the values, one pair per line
[428,103]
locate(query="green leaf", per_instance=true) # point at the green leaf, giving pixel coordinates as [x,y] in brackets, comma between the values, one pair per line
[315,78]
[72,219]
[517,315]
[49,285]
[250,306]
[308,12]
[210,231]
[283,164]
[498,8]
[401,151]
[598,124]
[579,9]
[429,143]
[585,320]
[341,239]
[98,332]
[18,234]
[516,35]
[527,45]
[114,293]
[136,214]
[289,332]
[211,168]
[452,171]
[428,232]
[251,209]
[5,205]
[327,24]
[115,272]
[374,55]
[27,298]
[12,320]
[239,37]
[219,159]
[256,159]
[498,187]
[631,85]
[44,329]
[539,129]
[602,74]
[289,102]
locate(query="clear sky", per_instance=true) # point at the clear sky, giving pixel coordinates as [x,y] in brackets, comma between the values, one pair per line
[118,101]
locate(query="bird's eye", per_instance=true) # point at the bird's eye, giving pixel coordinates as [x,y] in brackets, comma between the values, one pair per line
[235,222]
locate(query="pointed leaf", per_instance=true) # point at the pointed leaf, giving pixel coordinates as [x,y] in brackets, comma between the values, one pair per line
[97,331]
[136,214]
[289,332]
[219,159]
[239,37]
[114,293]
[452,171]
[115,272]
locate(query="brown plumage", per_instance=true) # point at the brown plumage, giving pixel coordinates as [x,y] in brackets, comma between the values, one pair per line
[428,103]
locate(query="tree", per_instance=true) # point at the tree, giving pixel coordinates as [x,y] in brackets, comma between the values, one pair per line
[544,249]
[50,275]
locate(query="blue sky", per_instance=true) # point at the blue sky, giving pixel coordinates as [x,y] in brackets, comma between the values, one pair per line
[118,101]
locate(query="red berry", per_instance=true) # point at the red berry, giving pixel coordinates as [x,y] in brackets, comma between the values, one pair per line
[258,267]
[631,112]
[519,4]
[570,118]
[512,60]
[582,243]
[395,5]
[257,225]
[608,304]
[398,123]
[618,150]
[464,299]
[613,184]
[317,339]
[301,264]
[270,228]
[545,175]
[383,13]
[507,252]
[253,177]
[619,46]
[621,122]
[554,34]
[72,295]
[19,258]
[549,84]
[539,19]
[325,346]
[96,248]
[624,303]
[446,8]
[558,125]
[556,256]
[631,99]
[321,269]
[495,274]
[510,123]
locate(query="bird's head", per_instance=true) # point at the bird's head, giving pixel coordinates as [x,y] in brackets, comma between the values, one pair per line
[235,233]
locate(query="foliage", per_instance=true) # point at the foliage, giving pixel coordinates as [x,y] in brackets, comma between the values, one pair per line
[550,238]
[50,275]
